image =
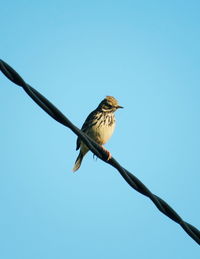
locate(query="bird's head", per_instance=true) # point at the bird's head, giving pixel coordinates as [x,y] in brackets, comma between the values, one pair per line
[109,104]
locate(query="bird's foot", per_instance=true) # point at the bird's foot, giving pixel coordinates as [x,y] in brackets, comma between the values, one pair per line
[108,153]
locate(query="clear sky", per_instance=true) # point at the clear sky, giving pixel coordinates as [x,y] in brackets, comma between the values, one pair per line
[146,54]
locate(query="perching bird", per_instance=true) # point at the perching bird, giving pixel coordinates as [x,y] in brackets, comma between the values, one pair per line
[99,125]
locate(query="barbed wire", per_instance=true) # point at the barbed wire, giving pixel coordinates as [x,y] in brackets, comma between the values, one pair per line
[131,179]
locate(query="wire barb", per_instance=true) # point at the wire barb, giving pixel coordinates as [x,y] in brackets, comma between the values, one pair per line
[97,150]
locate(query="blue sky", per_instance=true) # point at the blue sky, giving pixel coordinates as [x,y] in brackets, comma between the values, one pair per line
[146,54]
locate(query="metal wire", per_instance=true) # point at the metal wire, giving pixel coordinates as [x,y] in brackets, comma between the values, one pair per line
[132,180]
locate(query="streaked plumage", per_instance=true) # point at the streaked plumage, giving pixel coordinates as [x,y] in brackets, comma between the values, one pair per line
[99,125]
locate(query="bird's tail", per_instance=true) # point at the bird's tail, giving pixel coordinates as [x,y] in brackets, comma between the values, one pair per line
[78,162]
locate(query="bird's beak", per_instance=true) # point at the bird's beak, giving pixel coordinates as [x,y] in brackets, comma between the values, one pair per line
[121,107]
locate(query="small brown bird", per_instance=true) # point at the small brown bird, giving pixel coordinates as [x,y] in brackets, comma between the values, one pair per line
[99,125]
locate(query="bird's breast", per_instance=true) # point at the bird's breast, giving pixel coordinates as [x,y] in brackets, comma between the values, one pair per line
[103,129]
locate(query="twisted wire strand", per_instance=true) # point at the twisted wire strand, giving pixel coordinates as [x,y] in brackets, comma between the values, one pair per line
[131,179]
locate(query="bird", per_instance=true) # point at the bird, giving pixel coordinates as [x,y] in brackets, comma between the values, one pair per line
[99,125]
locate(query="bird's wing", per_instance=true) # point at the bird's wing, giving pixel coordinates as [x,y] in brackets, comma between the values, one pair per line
[89,122]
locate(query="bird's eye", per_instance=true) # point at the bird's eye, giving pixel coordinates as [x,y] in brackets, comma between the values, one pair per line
[109,106]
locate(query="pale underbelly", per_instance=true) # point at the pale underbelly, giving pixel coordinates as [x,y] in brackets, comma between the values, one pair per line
[102,134]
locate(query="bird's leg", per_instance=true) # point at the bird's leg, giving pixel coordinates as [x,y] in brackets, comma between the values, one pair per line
[108,152]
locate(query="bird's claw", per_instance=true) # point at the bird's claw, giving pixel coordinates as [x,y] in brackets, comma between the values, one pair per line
[108,153]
